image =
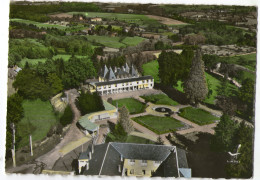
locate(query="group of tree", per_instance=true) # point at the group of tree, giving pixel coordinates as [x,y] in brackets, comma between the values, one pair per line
[15,113]
[49,78]
[31,85]
[218,33]
[89,102]
[76,45]
[228,135]
[174,67]
[28,48]
[36,12]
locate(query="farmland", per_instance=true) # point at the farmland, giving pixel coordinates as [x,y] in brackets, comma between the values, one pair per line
[115,42]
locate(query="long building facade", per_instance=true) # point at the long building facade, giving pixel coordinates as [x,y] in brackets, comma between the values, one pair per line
[120,80]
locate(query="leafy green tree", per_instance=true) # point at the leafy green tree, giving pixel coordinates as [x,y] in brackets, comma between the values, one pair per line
[67,116]
[76,71]
[174,67]
[55,83]
[247,91]
[195,87]
[224,134]
[31,86]
[244,167]
[125,121]
[88,103]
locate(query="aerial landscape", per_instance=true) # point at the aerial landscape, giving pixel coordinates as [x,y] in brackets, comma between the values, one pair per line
[124,89]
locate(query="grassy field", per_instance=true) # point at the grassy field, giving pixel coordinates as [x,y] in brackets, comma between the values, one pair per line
[198,116]
[152,68]
[65,57]
[129,18]
[134,106]
[116,42]
[44,25]
[160,99]
[138,140]
[158,124]
[248,60]
[38,118]
[215,85]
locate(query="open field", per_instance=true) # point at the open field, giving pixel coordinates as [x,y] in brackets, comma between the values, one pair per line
[115,42]
[134,106]
[248,60]
[215,85]
[158,124]
[198,116]
[129,18]
[138,140]
[61,15]
[166,21]
[160,99]
[65,57]
[38,119]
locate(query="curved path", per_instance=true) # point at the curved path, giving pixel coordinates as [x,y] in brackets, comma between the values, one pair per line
[73,134]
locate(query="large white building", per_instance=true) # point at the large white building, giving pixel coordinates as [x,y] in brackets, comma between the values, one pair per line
[119,80]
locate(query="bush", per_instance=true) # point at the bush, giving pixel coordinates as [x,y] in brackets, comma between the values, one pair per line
[67,116]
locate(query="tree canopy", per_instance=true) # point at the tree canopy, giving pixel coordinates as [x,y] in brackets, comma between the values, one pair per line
[125,121]
[195,87]
[174,67]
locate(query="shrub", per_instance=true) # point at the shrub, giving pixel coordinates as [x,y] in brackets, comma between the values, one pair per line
[67,116]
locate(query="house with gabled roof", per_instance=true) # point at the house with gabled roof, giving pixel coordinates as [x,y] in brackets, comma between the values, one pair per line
[129,159]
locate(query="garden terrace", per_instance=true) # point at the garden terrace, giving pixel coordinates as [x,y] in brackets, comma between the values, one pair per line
[159,124]
[134,106]
[198,116]
[160,99]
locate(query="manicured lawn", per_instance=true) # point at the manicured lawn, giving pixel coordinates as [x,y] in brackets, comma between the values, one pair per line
[38,118]
[115,42]
[160,99]
[134,106]
[179,86]
[198,116]
[158,124]
[138,140]
[152,68]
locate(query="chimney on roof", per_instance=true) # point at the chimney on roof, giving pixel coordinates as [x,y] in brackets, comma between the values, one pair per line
[90,155]
[87,166]
[92,148]
[119,168]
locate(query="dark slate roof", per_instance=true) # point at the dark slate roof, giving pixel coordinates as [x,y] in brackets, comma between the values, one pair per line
[96,161]
[110,75]
[107,158]
[123,80]
[143,151]
[182,158]
[168,168]
[111,163]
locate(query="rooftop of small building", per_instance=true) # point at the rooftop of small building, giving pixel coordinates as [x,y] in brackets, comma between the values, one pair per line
[110,156]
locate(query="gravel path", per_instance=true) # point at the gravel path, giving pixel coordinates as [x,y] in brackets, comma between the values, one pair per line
[73,134]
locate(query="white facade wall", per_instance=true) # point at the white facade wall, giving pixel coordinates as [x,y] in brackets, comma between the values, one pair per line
[126,86]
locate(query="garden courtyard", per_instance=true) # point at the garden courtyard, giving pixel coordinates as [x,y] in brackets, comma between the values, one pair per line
[180,119]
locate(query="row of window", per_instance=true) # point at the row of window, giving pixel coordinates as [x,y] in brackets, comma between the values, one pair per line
[109,86]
